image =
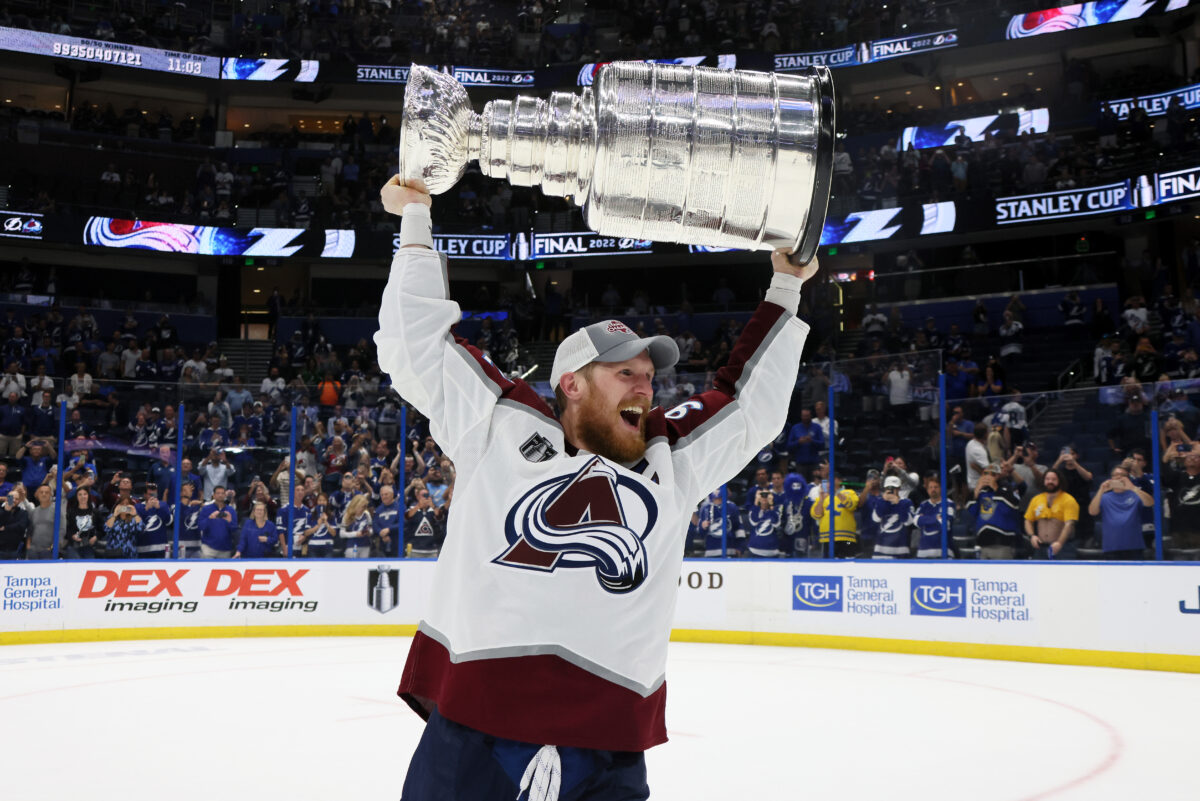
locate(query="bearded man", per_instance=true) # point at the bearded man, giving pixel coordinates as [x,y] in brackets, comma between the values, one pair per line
[540,665]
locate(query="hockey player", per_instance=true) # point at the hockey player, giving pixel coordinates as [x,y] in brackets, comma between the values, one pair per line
[540,663]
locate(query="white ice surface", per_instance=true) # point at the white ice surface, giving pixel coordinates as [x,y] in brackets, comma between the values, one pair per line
[317,719]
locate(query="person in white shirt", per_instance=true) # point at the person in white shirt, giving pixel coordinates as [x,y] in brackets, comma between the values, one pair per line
[12,381]
[874,321]
[39,383]
[899,387]
[129,359]
[198,365]
[273,385]
[977,455]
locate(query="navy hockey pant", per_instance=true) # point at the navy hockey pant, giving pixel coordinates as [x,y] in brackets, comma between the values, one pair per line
[456,763]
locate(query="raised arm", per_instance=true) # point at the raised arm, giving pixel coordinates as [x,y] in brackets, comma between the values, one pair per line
[714,434]
[444,378]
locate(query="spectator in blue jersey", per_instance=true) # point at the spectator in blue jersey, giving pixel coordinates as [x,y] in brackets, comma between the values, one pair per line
[299,518]
[1074,315]
[259,538]
[423,526]
[763,526]
[5,484]
[356,528]
[170,366]
[76,427]
[162,473]
[218,523]
[166,428]
[35,458]
[121,531]
[40,418]
[214,436]
[1118,505]
[145,369]
[340,498]
[894,516]
[928,520]
[996,508]
[868,529]
[1136,466]
[388,519]
[155,539]
[12,425]
[717,526]
[805,441]
[189,521]
[779,493]
[316,541]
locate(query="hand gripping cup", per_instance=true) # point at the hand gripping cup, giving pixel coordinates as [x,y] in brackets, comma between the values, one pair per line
[701,156]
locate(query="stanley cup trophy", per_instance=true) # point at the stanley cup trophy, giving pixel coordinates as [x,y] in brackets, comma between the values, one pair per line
[701,156]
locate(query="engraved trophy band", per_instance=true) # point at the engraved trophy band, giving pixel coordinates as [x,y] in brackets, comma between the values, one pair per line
[696,155]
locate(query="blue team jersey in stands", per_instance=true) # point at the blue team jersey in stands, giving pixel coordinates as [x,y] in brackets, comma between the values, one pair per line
[763,527]
[710,512]
[894,519]
[157,528]
[997,516]
[929,528]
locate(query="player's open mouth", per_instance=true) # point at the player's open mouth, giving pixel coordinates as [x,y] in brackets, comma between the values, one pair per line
[632,416]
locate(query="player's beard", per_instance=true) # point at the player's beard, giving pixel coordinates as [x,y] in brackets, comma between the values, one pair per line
[605,432]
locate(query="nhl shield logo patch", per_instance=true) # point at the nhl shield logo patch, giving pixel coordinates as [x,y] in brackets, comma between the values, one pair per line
[383,589]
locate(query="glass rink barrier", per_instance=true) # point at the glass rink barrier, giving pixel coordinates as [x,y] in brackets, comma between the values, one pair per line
[889,456]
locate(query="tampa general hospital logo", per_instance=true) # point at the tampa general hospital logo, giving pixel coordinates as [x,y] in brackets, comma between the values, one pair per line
[593,518]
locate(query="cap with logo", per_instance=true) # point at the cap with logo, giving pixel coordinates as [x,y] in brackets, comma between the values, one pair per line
[891,482]
[609,341]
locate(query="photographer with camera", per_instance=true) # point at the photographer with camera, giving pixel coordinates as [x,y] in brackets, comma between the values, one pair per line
[154,542]
[216,470]
[996,508]
[1118,503]
[894,516]
[764,522]
[218,522]
[123,527]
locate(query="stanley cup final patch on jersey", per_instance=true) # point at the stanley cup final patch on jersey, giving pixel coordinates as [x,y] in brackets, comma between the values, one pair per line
[538,449]
[593,518]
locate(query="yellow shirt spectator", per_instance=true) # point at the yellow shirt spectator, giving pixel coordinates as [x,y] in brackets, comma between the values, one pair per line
[1062,508]
[845,526]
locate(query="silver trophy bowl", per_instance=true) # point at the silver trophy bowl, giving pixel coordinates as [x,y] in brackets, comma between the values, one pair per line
[701,156]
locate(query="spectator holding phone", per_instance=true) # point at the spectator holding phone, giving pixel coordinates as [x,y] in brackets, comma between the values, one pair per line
[259,537]
[893,515]
[122,529]
[763,525]
[154,541]
[1118,504]
[356,528]
[218,522]
[840,506]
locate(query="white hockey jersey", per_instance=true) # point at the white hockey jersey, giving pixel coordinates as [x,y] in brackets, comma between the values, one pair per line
[555,590]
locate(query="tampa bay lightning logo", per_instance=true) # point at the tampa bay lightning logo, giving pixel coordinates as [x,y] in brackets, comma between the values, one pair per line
[585,519]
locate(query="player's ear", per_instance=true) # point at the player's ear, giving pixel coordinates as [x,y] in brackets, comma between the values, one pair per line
[572,385]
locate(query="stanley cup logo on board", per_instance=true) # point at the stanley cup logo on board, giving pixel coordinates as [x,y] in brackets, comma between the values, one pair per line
[383,588]
[701,156]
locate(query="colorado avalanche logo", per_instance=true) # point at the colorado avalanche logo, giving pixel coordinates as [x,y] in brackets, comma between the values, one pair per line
[617,327]
[579,520]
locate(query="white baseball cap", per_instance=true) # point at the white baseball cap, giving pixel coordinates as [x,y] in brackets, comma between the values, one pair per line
[609,341]
[891,482]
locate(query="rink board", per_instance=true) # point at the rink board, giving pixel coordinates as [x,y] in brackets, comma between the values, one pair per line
[1123,615]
